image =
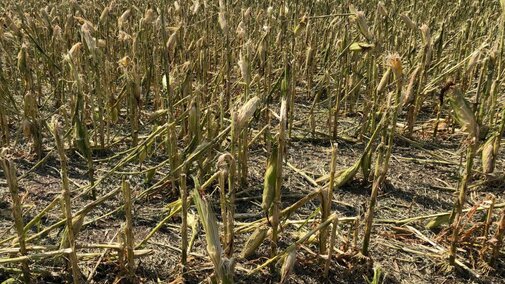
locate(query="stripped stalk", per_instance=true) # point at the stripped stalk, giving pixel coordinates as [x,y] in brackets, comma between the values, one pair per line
[331,247]
[10,174]
[499,235]
[226,164]
[326,202]
[276,206]
[128,232]
[385,149]
[184,225]
[67,205]
[466,118]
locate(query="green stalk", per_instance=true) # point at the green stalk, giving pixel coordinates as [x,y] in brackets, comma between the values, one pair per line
[460,201]
[326,202]
[384,155]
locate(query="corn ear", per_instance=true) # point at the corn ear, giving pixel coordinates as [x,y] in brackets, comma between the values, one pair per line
[409,95]
[489,154]
[366,164]
[81,139]
[243,64]
[359,18]
[270,181]
[288,265]
[437,222]
[223,266]
[384,81]
[411,24]
[254,241]
[90,41]
[381,8]
[209,223]
[246,112]
[463,113]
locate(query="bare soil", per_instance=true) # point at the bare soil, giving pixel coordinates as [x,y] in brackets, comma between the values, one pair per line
[422,179]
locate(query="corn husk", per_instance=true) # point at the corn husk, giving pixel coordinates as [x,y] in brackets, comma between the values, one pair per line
[284,87]
[123,19]
[437,222]
[222,22]
[489,154]
[27,129]
[344,176]
[395,62]
[301,26]
[88,38]
[246,112]
[360,20]
[406,19]
[224,267]
[463,113]
[425,34]
[104,15]
[254,241]
[243,64]
[83,21]
[81,140]
[193,118]
[288,265]
[247,13]
[172,41]
[366,165]
[381,8]
[211,228]
[177,7]
[124,62]
[224,162]
[122,36]
[101,43]
[409,95]
[195,7]
[57,33]
[474,59]
[23,59]
[299,234]
[241,30]
[309,57]
[222,17]
[30,105]
[384,81]
[11,24]
[149,16]
[77,222]
[269,182]
[262,53]
[74,51]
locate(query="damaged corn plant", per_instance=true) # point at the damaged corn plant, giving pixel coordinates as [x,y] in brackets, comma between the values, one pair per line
[244,141]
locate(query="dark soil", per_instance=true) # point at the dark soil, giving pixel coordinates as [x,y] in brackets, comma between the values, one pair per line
[421,181]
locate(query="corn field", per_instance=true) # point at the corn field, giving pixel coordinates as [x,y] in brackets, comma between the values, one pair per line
[252,141]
